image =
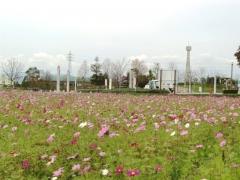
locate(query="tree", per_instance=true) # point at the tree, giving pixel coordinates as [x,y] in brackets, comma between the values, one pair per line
[83,71]
[107,66]
[96,67]
[150,75]
[97,77]
[32,74]
[237,54]
[31,78]
[48,79]
[12,69]
[139,67]
[142,80]
[118,70]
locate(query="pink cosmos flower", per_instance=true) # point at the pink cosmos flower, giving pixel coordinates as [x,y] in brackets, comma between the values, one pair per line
[76,135]
[184,133]
[113,134]
[198,146]
[51,138]
[158,168]
[223,143]
[235,114]
[52,160]
[119,170]
[104,130]
[172,116]
[25,164]
[133,172]
[141,128]
[58,172]
[76,168]
[86,169]
[219,135]
[156,126]
[93,146]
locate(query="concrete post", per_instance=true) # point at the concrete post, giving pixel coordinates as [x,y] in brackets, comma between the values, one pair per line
[175,82]
[75,85]
[68,79]
[110,84]
[134,83]
[215,85]
[58,79]
[130,79]
[106,84]
[160,81]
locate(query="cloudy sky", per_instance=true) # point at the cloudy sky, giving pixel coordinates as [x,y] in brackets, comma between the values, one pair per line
[42,32]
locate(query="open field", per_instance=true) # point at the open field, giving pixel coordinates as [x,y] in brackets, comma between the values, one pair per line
[118,136]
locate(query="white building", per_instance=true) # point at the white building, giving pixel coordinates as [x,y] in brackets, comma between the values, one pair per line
[4,81]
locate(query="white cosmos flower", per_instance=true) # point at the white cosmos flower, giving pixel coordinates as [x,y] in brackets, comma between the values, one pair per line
[196,123]
[83,124]
[173,133]
[105,172]
[176,121]
[54,178]
[187,125]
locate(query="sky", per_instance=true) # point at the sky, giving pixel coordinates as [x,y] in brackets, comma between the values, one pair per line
[41,33]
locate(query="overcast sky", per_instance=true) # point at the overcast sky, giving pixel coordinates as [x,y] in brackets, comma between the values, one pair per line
[42,32]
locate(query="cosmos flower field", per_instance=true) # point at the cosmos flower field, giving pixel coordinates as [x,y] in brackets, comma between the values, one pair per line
[118,136]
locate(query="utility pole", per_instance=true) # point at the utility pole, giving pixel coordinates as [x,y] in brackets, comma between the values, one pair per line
[69,58]
[232,71]
[188,77]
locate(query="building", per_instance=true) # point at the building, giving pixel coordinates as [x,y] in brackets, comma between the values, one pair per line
[4,81]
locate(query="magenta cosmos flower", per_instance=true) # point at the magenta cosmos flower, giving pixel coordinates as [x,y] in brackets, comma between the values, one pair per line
[133,172]
[119,170]
[25,164]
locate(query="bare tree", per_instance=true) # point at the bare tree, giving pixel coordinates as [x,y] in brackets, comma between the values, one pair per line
[139,67]
[83,70]
[106,66]
[12,69]
[118,70]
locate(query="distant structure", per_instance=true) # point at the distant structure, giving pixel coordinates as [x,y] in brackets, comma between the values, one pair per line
[69,58]
[188,78]
[4,81]
[237,54]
